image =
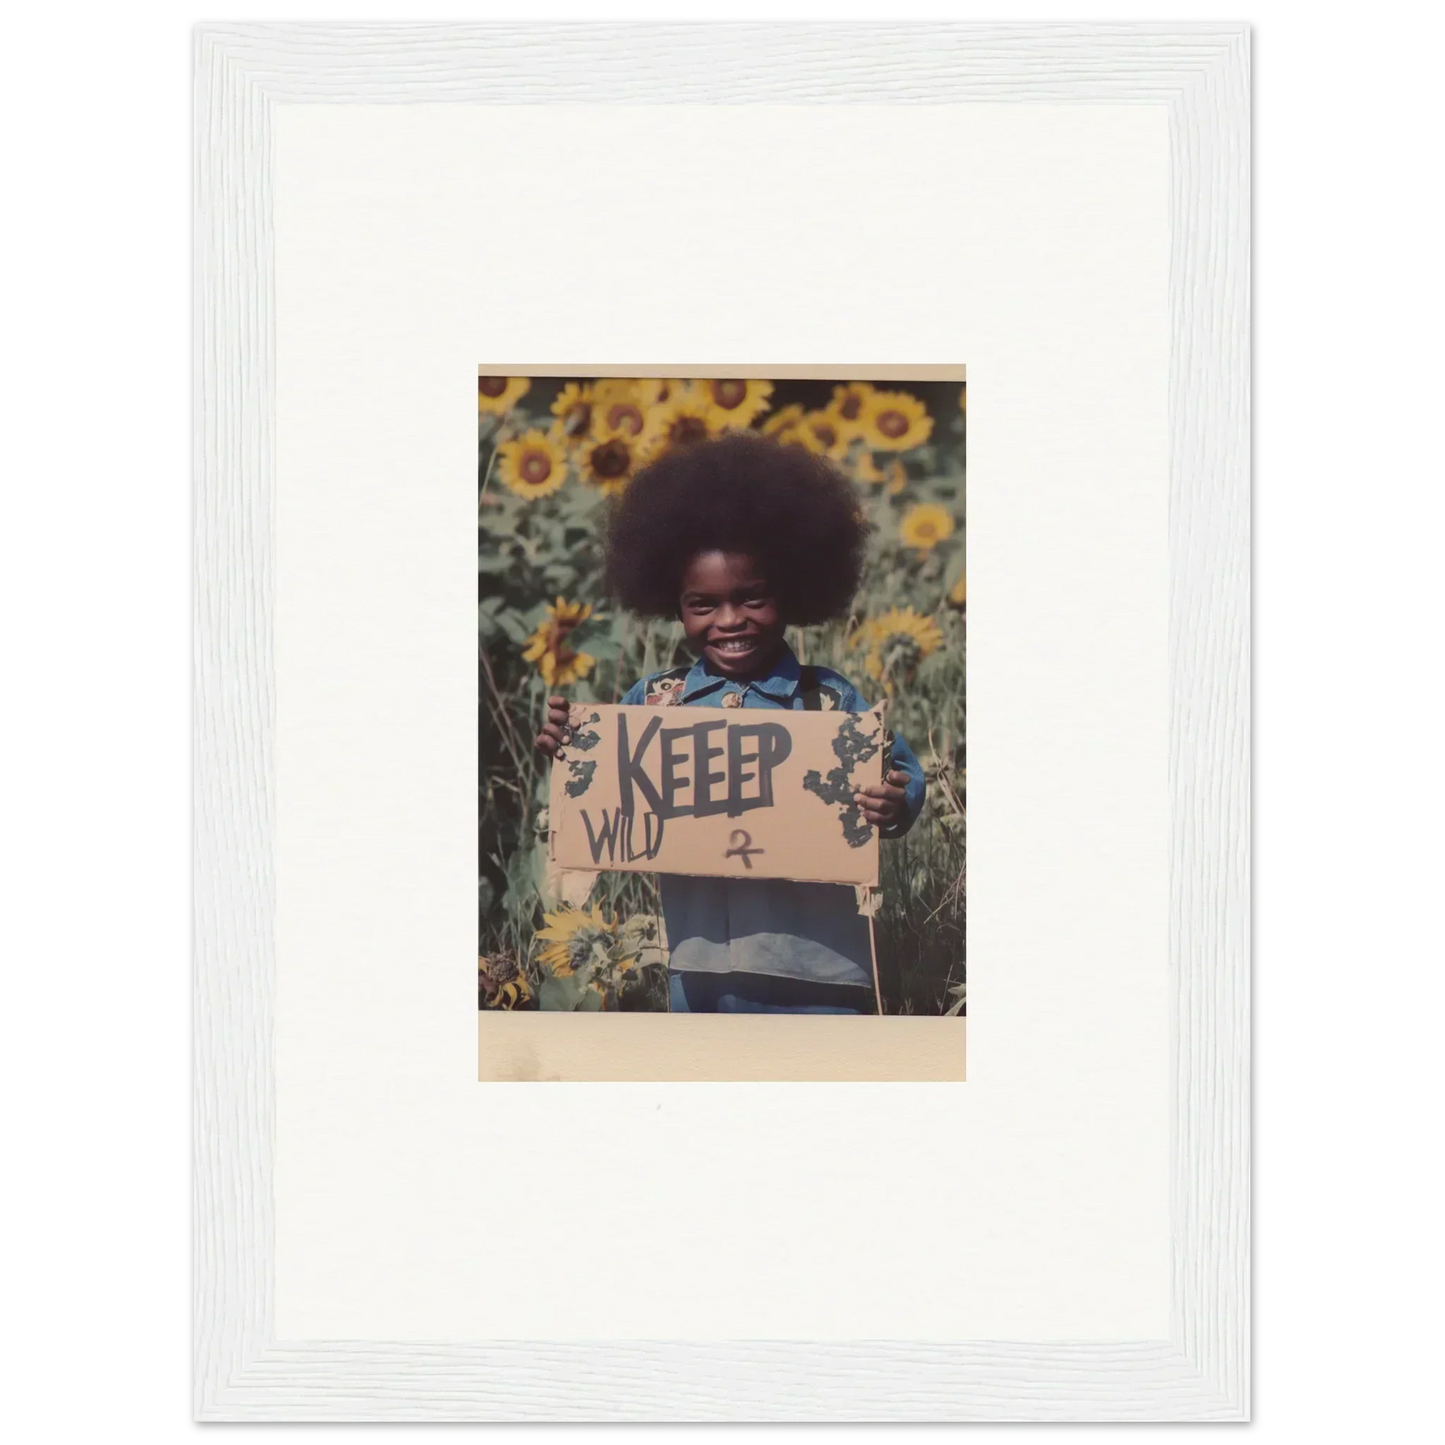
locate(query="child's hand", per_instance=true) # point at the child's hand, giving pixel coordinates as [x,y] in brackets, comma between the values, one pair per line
[883,805]
[553,733]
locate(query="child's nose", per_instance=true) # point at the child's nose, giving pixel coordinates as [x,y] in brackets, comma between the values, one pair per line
[728,615]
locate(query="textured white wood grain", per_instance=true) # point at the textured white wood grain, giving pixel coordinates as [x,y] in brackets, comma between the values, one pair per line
[1201,74]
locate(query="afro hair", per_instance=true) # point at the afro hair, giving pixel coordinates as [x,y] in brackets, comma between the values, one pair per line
[786,507]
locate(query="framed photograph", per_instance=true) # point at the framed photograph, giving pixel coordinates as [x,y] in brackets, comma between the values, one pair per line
[849,400]
[736,865]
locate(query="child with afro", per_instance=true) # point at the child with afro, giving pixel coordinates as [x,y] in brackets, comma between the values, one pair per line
[740,538]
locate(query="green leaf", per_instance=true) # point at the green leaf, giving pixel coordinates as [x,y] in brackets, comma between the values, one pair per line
[513,626]
[564,994]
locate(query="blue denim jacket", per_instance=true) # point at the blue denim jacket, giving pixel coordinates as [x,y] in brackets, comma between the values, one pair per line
[806,931]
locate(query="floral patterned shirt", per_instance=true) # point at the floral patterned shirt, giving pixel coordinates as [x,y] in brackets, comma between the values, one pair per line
[806,931]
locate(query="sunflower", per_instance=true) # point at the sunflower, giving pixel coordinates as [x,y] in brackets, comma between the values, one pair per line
[649,390]
[573,410]
[783,425]
[958,593]
[821,432]
[850,404]
[735,404]
[498,394]
[865,469]
[620,404]
[608,461]
[501,983]
[532,465]
[894,421]
[925,526]
[580,936]
[895,643]
[548,647]
[686,418]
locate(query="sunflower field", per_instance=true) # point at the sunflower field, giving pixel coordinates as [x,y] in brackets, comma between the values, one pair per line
[553,453]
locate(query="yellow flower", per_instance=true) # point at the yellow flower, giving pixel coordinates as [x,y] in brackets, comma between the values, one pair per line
[532,465]
[735,404]
[894,421]
[685,418]
[897,477]
[958,593]
[896,642]
[865,469]
[783,425]
[498,394]
[583,937]
[608,461]
[574,412]
[571,935]
[821,432]
[963,397]
[850,405]
[649,390]
[548,647]
[925,526]
[621,404]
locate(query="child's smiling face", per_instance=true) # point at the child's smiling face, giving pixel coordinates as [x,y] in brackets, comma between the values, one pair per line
[730,614]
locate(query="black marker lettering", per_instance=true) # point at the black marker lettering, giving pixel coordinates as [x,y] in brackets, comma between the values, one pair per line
[629,766]
[606,836]
[775,742]
[672,784]
[703,802]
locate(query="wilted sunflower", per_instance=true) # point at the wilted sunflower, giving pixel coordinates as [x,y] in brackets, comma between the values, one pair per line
[896,642]
[532,465]
[850,404]
[608,461]
[576,937]
[501,983]
[925,526]
[894,421]
[548,647]
[686,418]
[821,432]
[735,404]
[783,425]
[573,410]
[498,394]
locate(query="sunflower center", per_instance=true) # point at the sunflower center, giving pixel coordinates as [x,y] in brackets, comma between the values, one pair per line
[491,385]
[850,406]
[536,467]
[825,433]
[577,419]
[902,651]
[624,416]
[892,423]
[730,394]
[611,459]
[686,430]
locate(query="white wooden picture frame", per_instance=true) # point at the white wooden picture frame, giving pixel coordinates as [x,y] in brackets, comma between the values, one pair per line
[1200,1371]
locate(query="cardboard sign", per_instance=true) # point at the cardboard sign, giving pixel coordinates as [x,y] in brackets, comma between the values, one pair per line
[733,793]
